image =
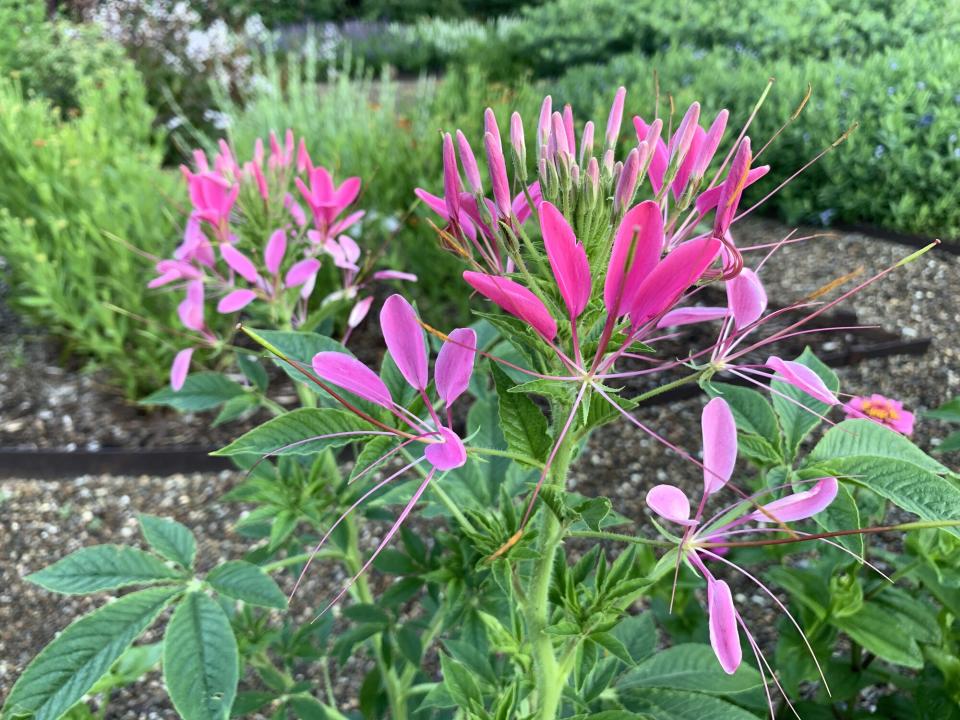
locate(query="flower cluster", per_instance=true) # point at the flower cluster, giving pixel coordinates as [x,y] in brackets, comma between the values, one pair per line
[249,240]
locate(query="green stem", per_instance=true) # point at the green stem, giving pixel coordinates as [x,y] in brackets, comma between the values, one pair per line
[669,386]
[619,537]
[550,674]
[451,506]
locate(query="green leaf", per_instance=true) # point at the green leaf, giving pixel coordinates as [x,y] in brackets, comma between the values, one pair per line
[169,538]
[373,449]
[679,705]
[948,412]
[253,371]
[136,662]
[460,682]
[639,634]
[690,666]
[102,567]
[245,581]
[235,407]
[951,443]
[790,403]
[367,613]
[200,391]
[200,660]
[752,412]
[279,435]
[842,514]
[410,645]
[875,629]
[759,450]
[612,645]
[925,494]
[522,423]
[866,438]
[70,665]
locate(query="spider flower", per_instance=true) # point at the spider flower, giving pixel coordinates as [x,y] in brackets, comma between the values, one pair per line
[702,538]
[443,449]
[882,410]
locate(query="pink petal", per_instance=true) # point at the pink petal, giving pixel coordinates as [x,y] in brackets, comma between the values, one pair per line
[719,444]
[801,505]
[433,202]
[514,299]
[275,250]
[671,277]
[301,272]
[359,311]
[639,239]
[498,173]
[180,368]
[239,263]
[802,378]
[190,309]
[568,259]
[448,454]
[454,364]
[350,220]
[658,160]
[469,162]
[615,118]
[732,188]
[520,207]
[347,192]
[670,503]
[394,275]
[724,636]
[689,161]
[746,297]
[404,338]
[709,146]
[236,300]
[352,375]
[451,179]
[691,315]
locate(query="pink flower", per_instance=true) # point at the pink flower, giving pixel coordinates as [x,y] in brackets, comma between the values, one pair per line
[568,259]
[883,410]
[180,368]
[802,378]
[212,198]
[516,300]
[325,199]
[190,309]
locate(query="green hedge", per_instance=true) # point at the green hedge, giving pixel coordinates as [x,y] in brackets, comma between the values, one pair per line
[898,170]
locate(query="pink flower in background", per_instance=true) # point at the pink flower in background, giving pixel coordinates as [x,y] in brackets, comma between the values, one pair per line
[327,200]
[883,410]
[212,197]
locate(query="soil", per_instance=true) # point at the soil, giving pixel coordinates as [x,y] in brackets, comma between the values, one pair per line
[45,520]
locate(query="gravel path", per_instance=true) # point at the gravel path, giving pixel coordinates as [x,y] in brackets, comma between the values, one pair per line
[41,521]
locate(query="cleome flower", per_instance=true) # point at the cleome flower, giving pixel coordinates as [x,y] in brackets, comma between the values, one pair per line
[703,539]
[443,449]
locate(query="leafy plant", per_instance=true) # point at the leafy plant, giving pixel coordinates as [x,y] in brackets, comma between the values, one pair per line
[493,569]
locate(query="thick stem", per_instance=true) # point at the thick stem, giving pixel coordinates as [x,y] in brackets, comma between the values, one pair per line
[550,675]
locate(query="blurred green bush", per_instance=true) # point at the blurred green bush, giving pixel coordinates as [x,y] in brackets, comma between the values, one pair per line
[75,193]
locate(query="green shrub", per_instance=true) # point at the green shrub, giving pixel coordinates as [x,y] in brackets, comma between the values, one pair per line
[73,193]
[897,170]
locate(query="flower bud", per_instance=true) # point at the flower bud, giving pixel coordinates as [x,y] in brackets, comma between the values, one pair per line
[586,143]
[608,161]
[615,117]
[627,182]
[451,179]
[568,130]
[490,125]
[519,146]
[498,174]
[469,162]
[559,133]
[543,128]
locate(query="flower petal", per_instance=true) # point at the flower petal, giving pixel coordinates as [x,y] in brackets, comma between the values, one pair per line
[800,505]
[454,364]
[724,635]
[352,375]
[719,444]
[448,454]
[638,242]
[802,378]
[180,368]
[746,297]
[691,315]
[670,503]
[404,338]
[239,263]
[359,311]
[236,300]
[301,272]
[708,199]
[671,277]
[568,259]
[275,250]
[514,299]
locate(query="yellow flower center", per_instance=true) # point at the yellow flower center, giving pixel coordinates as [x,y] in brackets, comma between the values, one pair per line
[880,411]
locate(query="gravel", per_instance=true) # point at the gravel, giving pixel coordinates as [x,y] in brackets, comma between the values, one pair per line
[48,519]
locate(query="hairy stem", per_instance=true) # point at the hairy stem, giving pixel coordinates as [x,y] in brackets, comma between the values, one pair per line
[550,675]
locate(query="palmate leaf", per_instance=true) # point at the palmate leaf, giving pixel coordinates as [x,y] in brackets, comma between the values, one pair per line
[77,658]
[102,567]
[169,538]
[200,660]
[245,581]
[285,434]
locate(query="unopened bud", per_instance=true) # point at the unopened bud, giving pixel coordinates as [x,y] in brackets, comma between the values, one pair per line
[469,162]
[627,182]
[615,117]
[519,145]
[586,143]
[543,128]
